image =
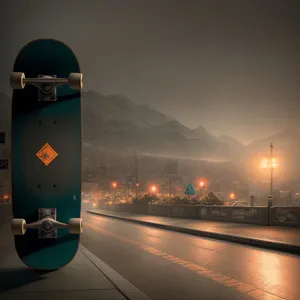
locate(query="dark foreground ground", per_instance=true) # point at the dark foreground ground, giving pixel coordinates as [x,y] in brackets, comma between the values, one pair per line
[169,265]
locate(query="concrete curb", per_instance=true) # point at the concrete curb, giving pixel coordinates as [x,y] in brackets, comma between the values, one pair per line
[265,244]
[128,290]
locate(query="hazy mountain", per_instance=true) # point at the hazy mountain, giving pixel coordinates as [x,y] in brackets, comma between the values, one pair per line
[230,140]
[236,147]
[200,131]
[286,139]
[117,107]
[116,122]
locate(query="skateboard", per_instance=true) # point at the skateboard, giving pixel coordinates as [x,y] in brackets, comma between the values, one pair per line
[46,154]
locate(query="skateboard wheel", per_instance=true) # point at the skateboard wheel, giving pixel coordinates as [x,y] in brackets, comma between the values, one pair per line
[17,80]
[18,226]
[75,226]
[75,81]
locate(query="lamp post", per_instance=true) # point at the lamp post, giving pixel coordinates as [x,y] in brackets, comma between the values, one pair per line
[201,189]
[232,196]
[136,176]
[153,191]
[270,164]
[114,186]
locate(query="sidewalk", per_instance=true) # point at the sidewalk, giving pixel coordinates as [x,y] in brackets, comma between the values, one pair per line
[284,239]
[86,277]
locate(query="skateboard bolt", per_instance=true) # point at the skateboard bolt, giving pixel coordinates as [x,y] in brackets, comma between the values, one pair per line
[47,225]
[47,87]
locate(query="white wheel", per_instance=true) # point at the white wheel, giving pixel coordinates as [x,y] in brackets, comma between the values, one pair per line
[75,81]
[17,80]
[75,226]
[18,226]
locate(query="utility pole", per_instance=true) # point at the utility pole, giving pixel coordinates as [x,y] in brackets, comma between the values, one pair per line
[128,190]
[170,187]
[136,176]
[271,171]
[270,164]
[114,195]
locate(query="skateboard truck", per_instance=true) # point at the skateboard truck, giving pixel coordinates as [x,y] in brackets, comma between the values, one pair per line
[47,225]
[46,84]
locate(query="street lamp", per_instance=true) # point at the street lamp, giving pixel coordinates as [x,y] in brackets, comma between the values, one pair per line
[270,164]
[232,196]
[153,189]
[201,183]
[114,186]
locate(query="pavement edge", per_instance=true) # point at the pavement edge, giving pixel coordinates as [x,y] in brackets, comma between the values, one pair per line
[259,243]
[128,290]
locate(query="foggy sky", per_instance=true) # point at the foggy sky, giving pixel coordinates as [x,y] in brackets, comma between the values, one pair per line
[231,66]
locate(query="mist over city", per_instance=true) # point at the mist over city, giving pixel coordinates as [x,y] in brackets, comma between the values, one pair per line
[204,81]
[190,110]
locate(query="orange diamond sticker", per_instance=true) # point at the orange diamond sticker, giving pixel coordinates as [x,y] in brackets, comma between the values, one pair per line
[46,154]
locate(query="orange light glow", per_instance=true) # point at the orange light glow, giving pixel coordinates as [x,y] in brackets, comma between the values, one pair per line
[232,196]
[114,185]
[201,182]
[153,188]
[274,163]
[269,163]
[264,164]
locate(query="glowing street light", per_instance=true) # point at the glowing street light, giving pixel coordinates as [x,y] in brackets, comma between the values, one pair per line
[202,186]
[270,164]
[153,188]
[232,196]
[114,186]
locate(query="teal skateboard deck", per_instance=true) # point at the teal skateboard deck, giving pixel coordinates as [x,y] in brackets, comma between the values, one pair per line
[46,154]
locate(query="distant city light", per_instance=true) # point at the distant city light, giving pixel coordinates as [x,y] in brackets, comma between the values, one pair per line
[153,188]
[114,184]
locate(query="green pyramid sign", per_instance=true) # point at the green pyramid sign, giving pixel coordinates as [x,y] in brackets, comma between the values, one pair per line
[189,190]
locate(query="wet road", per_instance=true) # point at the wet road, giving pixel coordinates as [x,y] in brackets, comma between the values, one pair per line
[170,265]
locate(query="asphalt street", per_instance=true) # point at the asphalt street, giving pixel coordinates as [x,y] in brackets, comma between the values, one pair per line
[170,265]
